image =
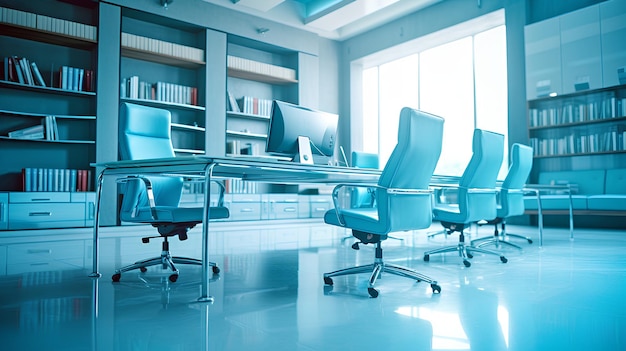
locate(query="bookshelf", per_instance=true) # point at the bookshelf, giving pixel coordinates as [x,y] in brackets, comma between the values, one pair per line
[163,65]
[51,37]
[257,75]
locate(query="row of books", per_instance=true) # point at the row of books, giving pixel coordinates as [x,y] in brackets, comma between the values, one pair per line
[133,88]
[267,69]
[76,79]
[162,47]
[238,186]
[53,179]
[49,24]
[21,70]
[47,130]
[255,106]
[575,113]
[608,141]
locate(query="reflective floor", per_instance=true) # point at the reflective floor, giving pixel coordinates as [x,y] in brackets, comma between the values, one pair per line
[567,295]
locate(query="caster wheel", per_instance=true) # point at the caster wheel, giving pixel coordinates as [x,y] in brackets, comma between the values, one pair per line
[328,281]
[470,256]
[373,292]
[426,258]
[530,241]
[503,259]
[215,269]
[355,246]
[467,263]
[173,278]
[436,288]
[116,277]
[143,269]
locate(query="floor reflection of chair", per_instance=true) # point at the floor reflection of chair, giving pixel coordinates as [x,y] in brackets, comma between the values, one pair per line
[403,200]
[476,195]
[511,201]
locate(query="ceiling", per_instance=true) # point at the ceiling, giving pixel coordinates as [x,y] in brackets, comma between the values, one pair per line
[333,19]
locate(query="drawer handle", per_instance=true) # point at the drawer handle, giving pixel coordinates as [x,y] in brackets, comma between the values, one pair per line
[246,210]
[39,264]
[320,209]
[290,209]
[34,214]
[39,251]
[40,199]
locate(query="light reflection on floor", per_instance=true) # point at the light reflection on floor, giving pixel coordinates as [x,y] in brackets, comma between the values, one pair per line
[270,295]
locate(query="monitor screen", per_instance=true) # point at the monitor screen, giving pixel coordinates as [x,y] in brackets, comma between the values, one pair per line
[289,121]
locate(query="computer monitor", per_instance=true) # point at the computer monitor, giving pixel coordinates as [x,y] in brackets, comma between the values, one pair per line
[305,134]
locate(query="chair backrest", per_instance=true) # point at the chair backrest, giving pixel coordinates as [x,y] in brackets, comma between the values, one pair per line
[411,166]
[481,173]
[361,197]
[144,133]
[362,159]
[511,198]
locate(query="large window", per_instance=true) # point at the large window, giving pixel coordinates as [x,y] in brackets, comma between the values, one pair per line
[460,78]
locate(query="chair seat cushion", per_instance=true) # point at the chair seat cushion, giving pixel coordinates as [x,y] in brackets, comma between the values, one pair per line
[171,214]
[363,219]
[607,202]
[556,202]
[448,213]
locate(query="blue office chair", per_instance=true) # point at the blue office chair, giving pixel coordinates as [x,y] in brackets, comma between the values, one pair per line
[511,197]
[402,197]
[144,133]
[476,195]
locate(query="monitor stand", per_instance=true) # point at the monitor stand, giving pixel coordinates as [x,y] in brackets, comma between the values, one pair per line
[304,154]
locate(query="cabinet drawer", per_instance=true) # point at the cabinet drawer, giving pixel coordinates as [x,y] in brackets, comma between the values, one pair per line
[18,268]
[281,210]
[46,215]
[242,211]
[318,209]
[39,197]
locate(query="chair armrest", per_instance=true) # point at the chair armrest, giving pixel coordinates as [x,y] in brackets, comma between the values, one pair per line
[149,192]
[391,191]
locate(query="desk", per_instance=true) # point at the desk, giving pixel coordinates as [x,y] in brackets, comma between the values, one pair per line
[215,168]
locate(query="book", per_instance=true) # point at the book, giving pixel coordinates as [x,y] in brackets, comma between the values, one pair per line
[232,103]
[37,74]
[18,70]
[28,77]
[81,73]
[33,132]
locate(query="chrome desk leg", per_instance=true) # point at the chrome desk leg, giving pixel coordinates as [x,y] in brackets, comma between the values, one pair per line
[96,223]
[571,215]
[204,297]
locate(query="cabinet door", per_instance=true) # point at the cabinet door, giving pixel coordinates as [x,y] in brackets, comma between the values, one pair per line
[613,27]
[543,58]
[581,50]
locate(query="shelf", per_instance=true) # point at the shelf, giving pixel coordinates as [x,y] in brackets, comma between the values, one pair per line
[50,141]
[188,127]
[583,154]
[245,134]
[246,115]
[156,57]
[43,36]
[39,115]
[583,93]
[49,90]
[164,104]
[259,77]
[568,125]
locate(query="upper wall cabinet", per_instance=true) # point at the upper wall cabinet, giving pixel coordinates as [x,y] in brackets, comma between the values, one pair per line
[163,65]
[581,50]
[47,92]
[543,58]
[613,27]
